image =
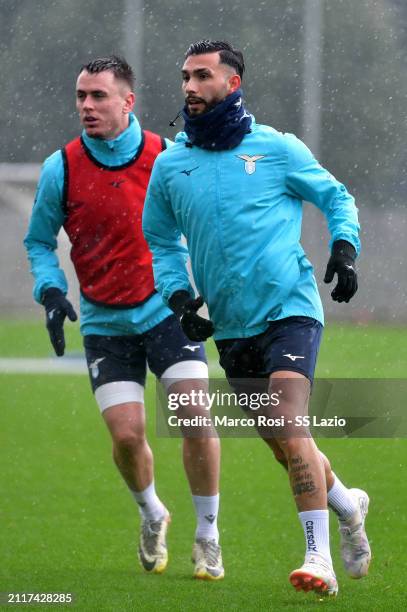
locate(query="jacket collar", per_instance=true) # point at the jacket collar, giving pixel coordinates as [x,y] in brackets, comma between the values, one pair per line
[182,137]
[124,146]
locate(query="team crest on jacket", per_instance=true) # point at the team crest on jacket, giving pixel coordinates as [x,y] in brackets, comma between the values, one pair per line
[250,162]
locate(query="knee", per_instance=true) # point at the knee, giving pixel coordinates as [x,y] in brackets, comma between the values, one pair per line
[128,441]
[202,446]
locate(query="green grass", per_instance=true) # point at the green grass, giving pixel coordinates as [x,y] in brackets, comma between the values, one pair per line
[30,339]
[347,350]
[68,524]
[359,351]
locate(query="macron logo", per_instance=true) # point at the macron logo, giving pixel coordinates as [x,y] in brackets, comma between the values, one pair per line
[210,518]
[293,357]
[117,183]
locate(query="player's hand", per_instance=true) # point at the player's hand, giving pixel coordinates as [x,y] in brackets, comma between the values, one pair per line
[57,307]
[342,262]
[194,327]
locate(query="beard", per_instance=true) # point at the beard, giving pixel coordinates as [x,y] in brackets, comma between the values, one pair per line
[207,105]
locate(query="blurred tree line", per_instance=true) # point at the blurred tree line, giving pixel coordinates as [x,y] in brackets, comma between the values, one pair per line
[364,85]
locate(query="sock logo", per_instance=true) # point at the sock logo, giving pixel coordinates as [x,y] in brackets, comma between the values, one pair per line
[210,518]
[311,545]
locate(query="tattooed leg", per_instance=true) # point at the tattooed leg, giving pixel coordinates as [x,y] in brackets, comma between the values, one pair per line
[306,469]
[307,478]
[280,457]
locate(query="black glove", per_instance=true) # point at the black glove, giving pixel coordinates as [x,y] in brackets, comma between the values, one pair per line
[57,307]
[195,327]
[342,262]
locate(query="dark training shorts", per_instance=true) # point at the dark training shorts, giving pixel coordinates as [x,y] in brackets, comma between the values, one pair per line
[288,344]
[125,358]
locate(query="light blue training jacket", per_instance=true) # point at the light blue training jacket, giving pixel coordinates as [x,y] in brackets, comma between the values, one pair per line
[241,212]
[46,221]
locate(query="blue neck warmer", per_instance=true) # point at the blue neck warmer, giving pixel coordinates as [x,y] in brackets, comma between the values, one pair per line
[221,128]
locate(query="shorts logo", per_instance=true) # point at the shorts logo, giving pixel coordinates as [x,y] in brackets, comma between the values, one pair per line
[293,357]
[191,348]
[94,367]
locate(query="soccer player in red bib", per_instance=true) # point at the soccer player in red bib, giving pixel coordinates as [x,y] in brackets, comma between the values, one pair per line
[95,188]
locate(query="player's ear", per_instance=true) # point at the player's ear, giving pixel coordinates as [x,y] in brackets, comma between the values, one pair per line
[234,83]
[129,102]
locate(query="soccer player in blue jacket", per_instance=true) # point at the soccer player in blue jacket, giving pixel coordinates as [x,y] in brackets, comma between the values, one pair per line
[95,188]
[235,190]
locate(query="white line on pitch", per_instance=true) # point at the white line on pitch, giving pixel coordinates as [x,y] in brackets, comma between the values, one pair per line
[63,365]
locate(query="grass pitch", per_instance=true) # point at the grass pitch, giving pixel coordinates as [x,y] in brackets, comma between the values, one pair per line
[68,523]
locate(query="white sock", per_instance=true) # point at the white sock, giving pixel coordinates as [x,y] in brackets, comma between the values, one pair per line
[341,500]
[207,508]
[150,506]
[316,530]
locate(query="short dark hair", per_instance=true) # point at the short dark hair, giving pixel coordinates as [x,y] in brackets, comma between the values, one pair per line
[228,55]
[118,65]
